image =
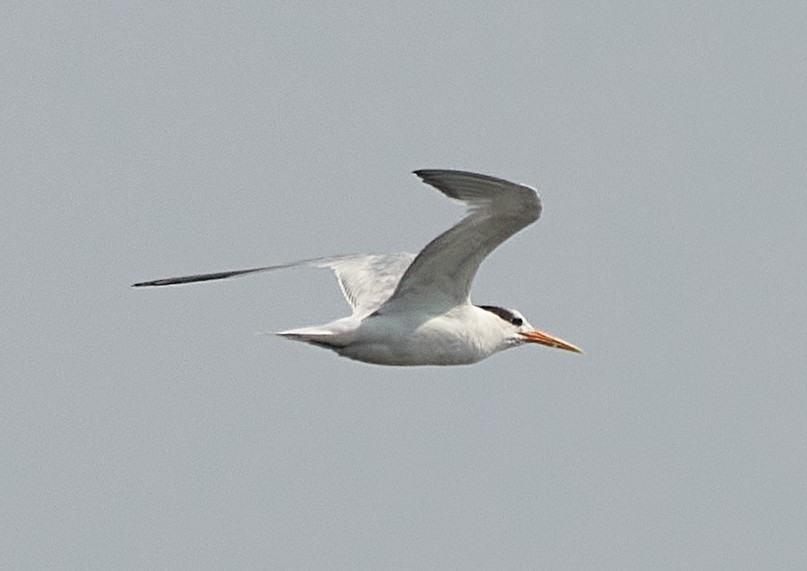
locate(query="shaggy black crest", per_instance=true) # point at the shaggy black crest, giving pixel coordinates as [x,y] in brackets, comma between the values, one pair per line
[505,314]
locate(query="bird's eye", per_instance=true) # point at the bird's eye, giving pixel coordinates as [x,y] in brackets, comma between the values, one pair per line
[517,321]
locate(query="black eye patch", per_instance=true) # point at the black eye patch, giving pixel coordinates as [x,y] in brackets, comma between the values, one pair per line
[505,314]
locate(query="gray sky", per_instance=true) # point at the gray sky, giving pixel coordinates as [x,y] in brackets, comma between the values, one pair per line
[155,430]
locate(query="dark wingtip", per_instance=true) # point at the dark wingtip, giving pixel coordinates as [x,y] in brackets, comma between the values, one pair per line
[147,284]
[200,277]
[425,173]
[182,280]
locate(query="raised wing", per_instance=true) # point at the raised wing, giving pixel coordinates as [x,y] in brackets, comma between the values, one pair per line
[441,275]
[367,280]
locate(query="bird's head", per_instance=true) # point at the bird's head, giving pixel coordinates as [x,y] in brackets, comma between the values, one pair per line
[519,331]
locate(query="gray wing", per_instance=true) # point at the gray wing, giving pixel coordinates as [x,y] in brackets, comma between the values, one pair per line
[367,280]
[441,274]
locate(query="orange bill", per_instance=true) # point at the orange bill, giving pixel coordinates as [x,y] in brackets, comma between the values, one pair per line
[536,336]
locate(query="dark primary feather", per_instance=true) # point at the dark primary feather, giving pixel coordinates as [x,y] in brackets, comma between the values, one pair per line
[198,278]
[223,275]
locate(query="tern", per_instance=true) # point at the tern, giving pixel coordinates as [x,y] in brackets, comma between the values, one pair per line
[413,309]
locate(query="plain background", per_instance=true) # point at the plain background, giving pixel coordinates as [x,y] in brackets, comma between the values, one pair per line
[154,429]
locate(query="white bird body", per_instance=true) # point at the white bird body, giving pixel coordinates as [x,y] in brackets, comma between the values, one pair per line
[415,309]
[460,336]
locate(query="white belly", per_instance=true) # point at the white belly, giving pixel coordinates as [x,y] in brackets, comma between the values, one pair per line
[441,340]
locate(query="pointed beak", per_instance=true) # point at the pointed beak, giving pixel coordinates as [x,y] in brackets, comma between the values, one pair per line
[536,336]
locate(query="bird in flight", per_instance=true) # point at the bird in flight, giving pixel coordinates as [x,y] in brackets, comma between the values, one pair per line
[415,309]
